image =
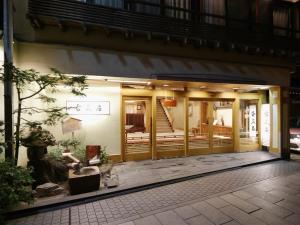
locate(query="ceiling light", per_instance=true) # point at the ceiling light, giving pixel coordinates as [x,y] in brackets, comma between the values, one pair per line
[166,85]
[202,87]
[236,88]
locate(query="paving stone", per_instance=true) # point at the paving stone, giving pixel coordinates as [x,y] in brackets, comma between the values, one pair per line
[264,195]
[294,219]
[199,220]
[232,223]
[272,208]
[243,195]
[149,220]
[186,212]
[211,213]
[286,196]
[240,216]
[169,217]
[217,202]
[240,203]
[128,223]
[289,206]
[269,218]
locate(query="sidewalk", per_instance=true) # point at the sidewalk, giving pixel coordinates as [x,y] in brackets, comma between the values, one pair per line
[262,194]
[132,174]
[150,172]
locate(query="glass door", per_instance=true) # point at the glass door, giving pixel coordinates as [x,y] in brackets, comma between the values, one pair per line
[221,127]
[170,126]
[137,128]
[198,113]
[248,124]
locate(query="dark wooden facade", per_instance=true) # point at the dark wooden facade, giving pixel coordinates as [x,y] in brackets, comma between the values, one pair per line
[245,25]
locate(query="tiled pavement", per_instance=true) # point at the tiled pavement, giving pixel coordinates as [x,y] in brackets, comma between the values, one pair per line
[152,171]
[262,194]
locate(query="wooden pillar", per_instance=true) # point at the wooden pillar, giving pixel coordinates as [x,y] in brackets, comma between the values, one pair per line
[285,129]
[275,114]
[186,123]
[153,122]
[235,123]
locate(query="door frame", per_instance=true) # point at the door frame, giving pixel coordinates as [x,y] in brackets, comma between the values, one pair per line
[137,156]
[211,149]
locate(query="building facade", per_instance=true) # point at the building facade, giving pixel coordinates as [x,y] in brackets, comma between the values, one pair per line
[167,78]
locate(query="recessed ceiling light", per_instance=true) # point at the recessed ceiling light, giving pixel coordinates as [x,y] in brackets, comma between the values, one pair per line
[236,88]
[166,85]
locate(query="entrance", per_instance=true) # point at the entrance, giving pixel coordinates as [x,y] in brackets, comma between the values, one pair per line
[137,123]
[210,126]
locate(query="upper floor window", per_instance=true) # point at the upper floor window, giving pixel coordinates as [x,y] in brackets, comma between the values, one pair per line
[108,3]
[214,11]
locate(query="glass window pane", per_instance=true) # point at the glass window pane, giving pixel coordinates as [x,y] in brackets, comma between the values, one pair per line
[198,126]
[169,124]
[222,124]
[248,122]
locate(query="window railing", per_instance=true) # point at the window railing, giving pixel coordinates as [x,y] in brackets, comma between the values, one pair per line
[171,17]
[213,14]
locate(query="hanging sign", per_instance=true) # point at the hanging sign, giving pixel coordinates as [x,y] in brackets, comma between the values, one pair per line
[88,107]
[265,124]
[252,120]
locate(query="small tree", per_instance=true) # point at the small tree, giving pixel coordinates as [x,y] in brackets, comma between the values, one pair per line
[31,85]
[2,144]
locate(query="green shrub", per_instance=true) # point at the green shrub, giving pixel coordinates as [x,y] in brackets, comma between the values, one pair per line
[79,153]
[56,153]
[15,186]
[103,156]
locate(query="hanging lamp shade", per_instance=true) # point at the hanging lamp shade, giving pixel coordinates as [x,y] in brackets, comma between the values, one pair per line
[170,102]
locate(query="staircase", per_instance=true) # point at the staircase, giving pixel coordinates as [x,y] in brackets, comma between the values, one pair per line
[163,125]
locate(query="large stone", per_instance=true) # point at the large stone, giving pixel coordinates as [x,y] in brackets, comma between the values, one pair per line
[48,189]
[112,181]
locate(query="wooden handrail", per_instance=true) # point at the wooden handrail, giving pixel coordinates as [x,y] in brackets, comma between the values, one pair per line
[167,114]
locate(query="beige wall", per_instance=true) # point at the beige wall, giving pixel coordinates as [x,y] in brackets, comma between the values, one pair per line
[177,114]
[91,61]
[194,119]
[101,130]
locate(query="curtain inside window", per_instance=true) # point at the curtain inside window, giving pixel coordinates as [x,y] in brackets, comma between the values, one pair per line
[153,10]
[108,3]
[214,7]
[182,4]
[297,23]
[281,19]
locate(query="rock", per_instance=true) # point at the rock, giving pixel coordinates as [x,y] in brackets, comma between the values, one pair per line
[112,182]
[48,189]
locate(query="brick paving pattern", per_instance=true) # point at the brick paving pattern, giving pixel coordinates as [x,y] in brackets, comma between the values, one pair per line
[271,201]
